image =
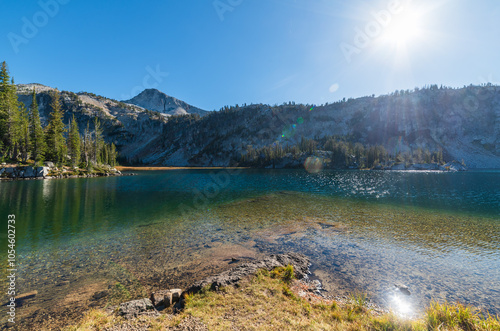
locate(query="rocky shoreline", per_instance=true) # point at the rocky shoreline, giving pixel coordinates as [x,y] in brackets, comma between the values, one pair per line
[137,314]
[162,299]
[51,172]
[273,291]
[450,166]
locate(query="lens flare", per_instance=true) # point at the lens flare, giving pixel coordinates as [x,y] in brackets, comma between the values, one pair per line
[288,132]
[313,165]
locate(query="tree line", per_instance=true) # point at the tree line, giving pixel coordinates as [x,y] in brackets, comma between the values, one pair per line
[22,137]
[341,154]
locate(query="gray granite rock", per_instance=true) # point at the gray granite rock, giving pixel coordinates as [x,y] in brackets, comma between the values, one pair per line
[41,171]
[134,308]
[29,172]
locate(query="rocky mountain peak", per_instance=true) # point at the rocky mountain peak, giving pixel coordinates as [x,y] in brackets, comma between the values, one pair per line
[156,100]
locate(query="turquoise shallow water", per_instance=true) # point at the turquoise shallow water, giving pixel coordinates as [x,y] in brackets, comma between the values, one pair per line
[437,233]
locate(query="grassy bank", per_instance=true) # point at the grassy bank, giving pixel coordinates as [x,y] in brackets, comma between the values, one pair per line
[274,301]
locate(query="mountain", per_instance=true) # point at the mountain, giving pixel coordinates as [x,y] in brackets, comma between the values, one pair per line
[153,99]
[463,123]
[129,127]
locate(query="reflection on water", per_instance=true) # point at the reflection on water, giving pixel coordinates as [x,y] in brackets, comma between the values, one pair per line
[401,305]
[436,233]
[358,245]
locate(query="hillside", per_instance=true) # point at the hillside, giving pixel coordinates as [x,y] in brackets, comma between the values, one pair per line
[129,127]
[462,123]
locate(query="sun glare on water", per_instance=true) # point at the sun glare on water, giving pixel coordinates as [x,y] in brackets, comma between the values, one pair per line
[401,306]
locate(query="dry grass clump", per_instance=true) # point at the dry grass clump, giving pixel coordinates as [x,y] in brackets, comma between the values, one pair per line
[267,302]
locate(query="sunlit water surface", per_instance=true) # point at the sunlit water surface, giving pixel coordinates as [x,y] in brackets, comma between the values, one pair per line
[436,233]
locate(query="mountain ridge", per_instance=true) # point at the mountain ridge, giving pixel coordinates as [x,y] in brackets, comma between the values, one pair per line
[463,123]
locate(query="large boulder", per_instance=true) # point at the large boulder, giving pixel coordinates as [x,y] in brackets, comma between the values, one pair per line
[10,171]
[29,172]
[41,171]
[134,308]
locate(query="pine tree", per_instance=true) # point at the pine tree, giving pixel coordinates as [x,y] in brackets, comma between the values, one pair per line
[4,102]
[15,132]
[97,140]
[105,154]
[112,155]
[25,141]
[56,144]
[74,142]
[86,145]
[10,115]
[37,136]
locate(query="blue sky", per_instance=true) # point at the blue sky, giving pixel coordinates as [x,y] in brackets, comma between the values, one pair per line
[225,52]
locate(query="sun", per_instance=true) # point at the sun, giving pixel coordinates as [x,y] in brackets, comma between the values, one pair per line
[404,28]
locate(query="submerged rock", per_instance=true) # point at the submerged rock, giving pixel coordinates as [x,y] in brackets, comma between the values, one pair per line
[403,289]
[99,295]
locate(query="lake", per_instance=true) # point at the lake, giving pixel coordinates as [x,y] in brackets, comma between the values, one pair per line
[99,241]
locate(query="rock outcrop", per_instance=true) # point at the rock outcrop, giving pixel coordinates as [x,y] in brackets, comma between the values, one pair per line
[134,308]
[299,262]
[28,172]
[24,172]
[455,166]
[174,297]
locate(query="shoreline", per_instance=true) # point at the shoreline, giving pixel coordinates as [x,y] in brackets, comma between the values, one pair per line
[155,168]
[16,172]
[277,291]
[160,168]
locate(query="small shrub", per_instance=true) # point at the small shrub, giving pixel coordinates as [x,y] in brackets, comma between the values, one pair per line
[359,300]
[287,292]
[286,274]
